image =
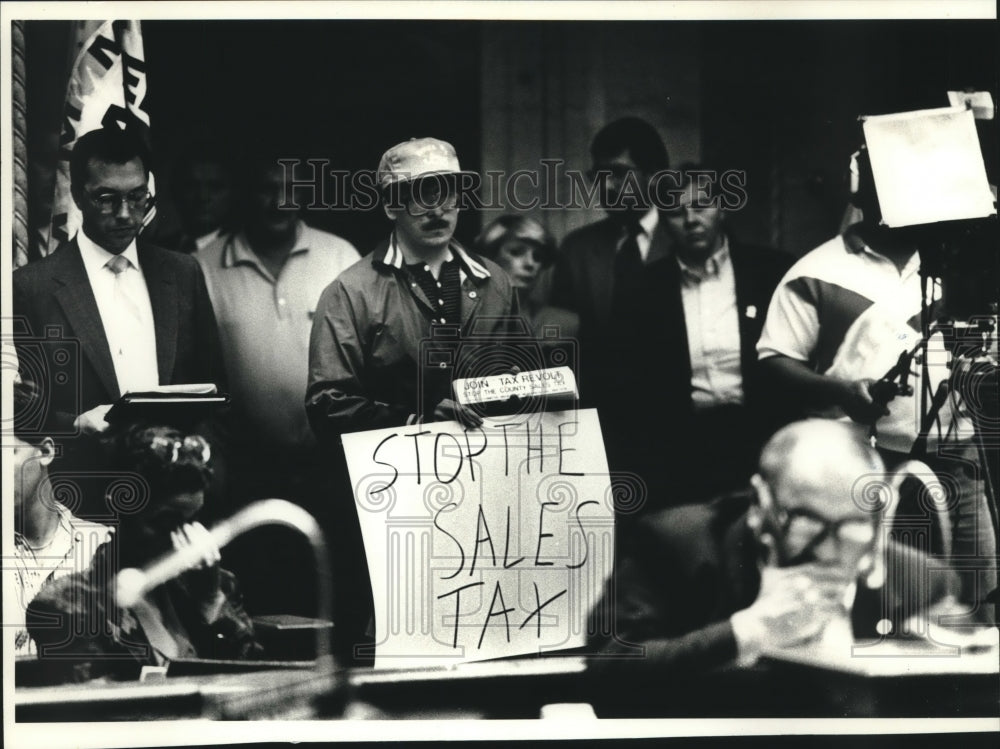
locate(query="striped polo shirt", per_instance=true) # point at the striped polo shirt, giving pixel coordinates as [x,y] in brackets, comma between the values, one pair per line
[848,312]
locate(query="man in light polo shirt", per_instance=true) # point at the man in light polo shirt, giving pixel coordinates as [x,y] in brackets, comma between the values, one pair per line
[265,281]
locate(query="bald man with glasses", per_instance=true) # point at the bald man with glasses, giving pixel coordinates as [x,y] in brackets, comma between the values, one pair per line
[771,567]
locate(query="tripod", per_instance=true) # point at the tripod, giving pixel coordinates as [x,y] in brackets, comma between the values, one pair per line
[970,391]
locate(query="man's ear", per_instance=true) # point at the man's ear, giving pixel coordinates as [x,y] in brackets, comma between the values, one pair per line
[390,214]
[48,450]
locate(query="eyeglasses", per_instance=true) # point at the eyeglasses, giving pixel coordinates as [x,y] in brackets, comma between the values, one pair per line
[803,530]
[111,202]
[172,450]
[429,195]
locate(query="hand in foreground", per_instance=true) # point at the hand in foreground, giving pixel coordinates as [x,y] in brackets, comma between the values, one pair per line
[793,606]
[93,421]
[857,402]
[203,581]
[448,410]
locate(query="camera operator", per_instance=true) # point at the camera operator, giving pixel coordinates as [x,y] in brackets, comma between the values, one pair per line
[837,322]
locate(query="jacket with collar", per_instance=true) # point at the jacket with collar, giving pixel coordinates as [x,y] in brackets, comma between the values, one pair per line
[376,359]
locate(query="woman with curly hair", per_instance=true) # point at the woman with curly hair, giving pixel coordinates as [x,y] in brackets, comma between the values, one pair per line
[82,632]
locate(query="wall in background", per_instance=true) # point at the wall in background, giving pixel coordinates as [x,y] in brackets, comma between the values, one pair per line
[778,100]
[549,87]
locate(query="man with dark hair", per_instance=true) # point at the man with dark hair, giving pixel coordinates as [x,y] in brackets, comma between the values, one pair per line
[603,269]
[599,263]
[110,145]
[141,314]
[202,189]
[138,315]
[265,280]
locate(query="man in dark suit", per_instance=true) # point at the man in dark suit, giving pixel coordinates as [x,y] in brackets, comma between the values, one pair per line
[139,315]
[799,556]
[600,264]
[601,272]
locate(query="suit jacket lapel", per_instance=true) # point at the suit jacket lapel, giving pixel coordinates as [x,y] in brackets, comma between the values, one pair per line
[80,307]
[163,297]
[666,322]
[602,271]
[660,244]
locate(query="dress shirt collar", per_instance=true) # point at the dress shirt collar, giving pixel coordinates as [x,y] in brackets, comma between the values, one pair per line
[96,257]
[713,265]
[206,239]
[649,221]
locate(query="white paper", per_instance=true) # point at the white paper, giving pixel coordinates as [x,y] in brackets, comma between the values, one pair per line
[524,524]
[928,166]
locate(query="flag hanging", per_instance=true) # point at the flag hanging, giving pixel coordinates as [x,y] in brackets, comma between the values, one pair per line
[107,87]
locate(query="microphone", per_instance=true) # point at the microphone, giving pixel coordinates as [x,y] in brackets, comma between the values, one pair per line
[132,584]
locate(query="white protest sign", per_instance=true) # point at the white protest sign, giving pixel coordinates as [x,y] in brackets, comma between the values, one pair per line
[487,542]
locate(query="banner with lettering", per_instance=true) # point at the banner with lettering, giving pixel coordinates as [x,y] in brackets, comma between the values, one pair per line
[484,542]
[107,86]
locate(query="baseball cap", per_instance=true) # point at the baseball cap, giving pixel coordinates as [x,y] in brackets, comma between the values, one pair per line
[416,158]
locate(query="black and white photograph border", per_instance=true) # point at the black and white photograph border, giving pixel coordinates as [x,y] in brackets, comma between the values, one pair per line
[519,89]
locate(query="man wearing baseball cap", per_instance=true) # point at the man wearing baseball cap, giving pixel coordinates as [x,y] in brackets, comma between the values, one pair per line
[374,322]
[391,333]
